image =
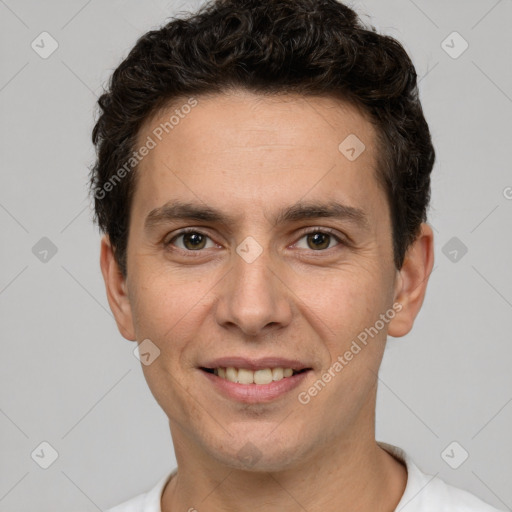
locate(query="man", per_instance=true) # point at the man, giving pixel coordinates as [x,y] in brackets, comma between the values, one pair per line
[262,181]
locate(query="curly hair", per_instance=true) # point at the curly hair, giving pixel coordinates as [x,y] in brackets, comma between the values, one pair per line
[308,47]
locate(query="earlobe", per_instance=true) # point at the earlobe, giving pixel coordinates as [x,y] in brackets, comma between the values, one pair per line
[116,288]
[411,284]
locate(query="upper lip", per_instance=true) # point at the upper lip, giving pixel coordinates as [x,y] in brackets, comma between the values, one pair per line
[255,364]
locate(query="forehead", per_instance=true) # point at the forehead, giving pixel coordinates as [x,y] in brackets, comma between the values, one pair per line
[242,148]
[253,119]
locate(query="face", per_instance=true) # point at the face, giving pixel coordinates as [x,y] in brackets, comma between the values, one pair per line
[258,243]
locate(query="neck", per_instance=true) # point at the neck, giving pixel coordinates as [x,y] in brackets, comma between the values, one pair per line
[346,475]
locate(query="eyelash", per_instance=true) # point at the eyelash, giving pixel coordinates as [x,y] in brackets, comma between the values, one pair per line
[325,231]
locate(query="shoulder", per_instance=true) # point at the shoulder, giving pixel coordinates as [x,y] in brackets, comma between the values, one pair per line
[146,502]
[428,493]
[447,498]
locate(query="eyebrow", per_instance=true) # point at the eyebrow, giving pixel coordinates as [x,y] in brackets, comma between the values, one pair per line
[178,210]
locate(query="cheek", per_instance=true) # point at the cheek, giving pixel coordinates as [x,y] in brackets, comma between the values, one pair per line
[171,310]
[347,297]
[343,309]
[164,310]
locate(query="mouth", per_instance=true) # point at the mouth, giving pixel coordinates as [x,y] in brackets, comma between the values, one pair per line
[257,377]
[253,382]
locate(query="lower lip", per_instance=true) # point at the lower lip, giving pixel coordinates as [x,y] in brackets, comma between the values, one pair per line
[255,393]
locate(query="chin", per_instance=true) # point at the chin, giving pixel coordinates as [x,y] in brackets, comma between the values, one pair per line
[260,455]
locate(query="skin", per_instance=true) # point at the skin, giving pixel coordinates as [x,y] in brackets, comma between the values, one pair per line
[249,156]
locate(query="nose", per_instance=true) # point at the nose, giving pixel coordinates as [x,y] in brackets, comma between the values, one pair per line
[254,298]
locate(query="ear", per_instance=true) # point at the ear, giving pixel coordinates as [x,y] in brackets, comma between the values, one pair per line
[412,280]
[116,288]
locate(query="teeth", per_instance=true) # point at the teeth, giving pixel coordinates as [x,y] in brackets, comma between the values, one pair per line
[263,376]
[232,374]
[277,374]
[244,376]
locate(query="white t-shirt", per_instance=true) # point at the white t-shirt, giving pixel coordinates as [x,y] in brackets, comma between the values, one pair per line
[423,493]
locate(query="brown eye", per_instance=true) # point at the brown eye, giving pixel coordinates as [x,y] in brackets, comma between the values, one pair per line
[194,241]
[318,240]
[191,241]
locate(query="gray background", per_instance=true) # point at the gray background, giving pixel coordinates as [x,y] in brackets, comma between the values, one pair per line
[70,379]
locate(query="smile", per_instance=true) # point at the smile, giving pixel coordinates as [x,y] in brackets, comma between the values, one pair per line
[248,386]
[258,377]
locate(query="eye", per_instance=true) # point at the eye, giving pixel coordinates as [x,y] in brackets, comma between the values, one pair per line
[192,240]
[318,240]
